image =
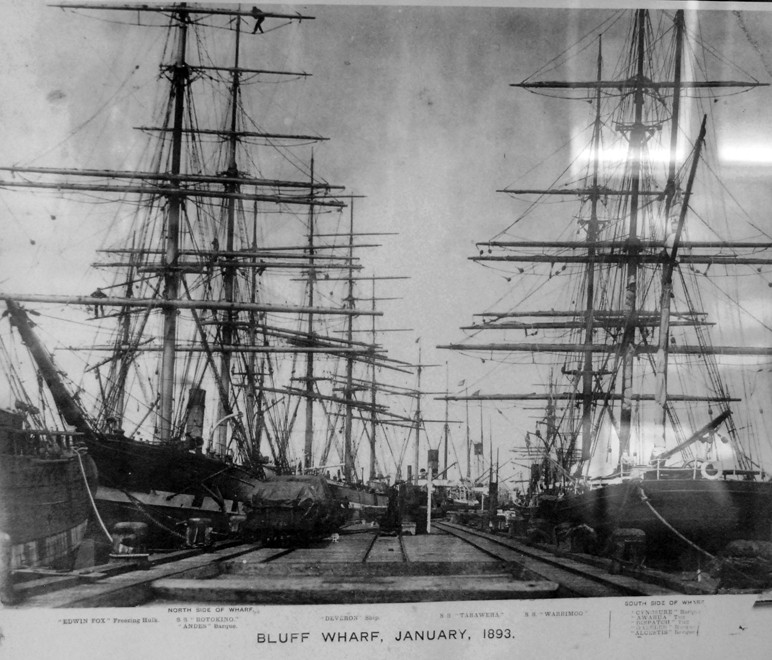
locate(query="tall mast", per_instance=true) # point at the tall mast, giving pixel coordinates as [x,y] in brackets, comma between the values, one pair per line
[229,271]
[115,401]
[637,141]
[592,237]
[676,111]
[446,428]
[481,460]
[119,404]
[347,450]
[171,274]
[625,251]
[308,453]
[417,453]
[468,442]
[67,405]
[667,279]
[253,384]
[373,396]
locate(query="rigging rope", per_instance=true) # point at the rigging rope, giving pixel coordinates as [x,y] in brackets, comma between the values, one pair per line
[91,498]
[693,545]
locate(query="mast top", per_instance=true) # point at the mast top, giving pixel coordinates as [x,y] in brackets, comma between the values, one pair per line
[184,8]
[633,83]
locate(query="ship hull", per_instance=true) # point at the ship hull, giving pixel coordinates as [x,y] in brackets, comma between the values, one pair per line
[709,513]
[45,508]
[142,471]
[164,486]
[304,507]
[362,504]
[295,508]
[167,514]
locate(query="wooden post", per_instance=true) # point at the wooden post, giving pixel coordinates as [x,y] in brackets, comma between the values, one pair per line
[429,502]
[7,595]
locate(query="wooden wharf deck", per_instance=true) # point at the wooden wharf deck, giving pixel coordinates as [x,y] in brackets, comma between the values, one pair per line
[361,566]
[577,578]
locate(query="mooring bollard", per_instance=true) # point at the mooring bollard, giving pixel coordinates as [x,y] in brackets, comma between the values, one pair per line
[198,532]
[627,546]
[130,542]
[7,593]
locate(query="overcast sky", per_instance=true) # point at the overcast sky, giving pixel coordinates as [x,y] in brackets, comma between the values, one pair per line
[421,120]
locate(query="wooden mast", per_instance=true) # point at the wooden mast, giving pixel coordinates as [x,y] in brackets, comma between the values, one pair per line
[592,237]
[349,391]
[171,275]
[418,421]
[308,454]
[629,252]
[224,407]
[670,188]
[373,394]
[637,140]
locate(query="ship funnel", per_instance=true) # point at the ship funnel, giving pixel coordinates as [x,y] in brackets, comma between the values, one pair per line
[194,422]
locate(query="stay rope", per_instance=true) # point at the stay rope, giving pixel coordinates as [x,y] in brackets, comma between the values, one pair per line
[91,498]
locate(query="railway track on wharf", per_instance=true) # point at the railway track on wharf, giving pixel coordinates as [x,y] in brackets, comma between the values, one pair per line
[451,563]
[363,567]
[585,577]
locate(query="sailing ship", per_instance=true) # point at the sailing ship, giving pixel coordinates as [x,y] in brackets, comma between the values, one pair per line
[641,431]
[205,234]
[46,479]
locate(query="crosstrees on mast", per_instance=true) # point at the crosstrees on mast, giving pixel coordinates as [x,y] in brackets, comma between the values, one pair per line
[618,340]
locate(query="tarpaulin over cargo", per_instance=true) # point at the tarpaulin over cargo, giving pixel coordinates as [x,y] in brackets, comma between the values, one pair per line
[291,491]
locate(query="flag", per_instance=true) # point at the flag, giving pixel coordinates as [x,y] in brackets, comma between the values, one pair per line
[462,383]
[478,448]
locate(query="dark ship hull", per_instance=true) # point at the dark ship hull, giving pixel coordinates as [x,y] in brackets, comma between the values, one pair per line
[295,508]
[362,504]
[671,510]
[300,508]
[161,485]
[165,487]
[44,498]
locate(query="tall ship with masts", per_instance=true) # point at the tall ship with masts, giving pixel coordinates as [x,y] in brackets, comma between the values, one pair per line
[199,329]
[649,421]
[47,482]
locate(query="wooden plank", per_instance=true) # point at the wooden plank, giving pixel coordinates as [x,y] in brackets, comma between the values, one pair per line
[578,578]
[367,589]
[259,555]
[375,569]
[134,588]
[442,547]
[349,548]
[44,584]
[37,582]
[386,549]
